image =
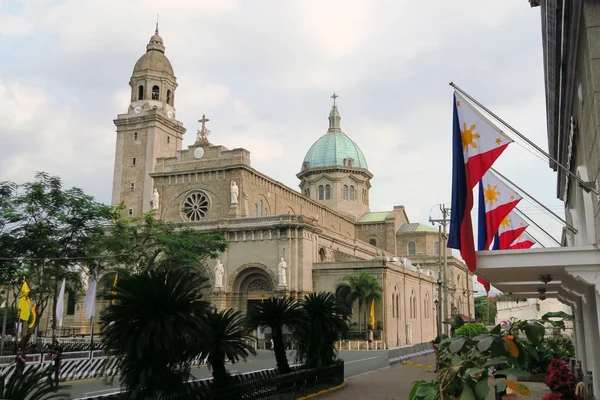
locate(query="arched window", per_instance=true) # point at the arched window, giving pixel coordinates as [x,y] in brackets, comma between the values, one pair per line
[71,303]
[155,92]
[373,242]
[169,97]
[436,248]
[412,248]
[135,136]
[393,305]
[345,192]
[321,192]
[260,207]
[322,254]
[351,197]
[327,192]
[266,211]
[141,92]
[397,306]
[255,210]
[415,306]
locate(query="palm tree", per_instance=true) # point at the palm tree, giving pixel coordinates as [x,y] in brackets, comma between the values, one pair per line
[153,323]
[31,385]
[226,339]
[323,323]
[364,288]
[275,313]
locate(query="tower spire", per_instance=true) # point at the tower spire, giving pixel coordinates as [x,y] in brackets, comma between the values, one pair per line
[334,116]
[156,30]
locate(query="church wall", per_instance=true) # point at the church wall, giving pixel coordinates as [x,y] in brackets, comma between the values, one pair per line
[390,236]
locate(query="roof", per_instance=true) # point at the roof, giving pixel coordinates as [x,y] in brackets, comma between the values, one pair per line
[154,59]
[416,227]
[379,216]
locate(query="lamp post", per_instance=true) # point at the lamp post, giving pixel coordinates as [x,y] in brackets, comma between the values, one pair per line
[437,317]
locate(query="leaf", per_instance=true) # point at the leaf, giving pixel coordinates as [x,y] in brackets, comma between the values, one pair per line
[413,390]
[519,388]
[482,388]
[500,385]
[481,337]
[467,393]
[485,344]
[425,390]
[474,371]
[497,330]
[495,361]
[457,344]
[532,335]
[512,372]
[513,350]
[456,360]
[557,314]
[531,350]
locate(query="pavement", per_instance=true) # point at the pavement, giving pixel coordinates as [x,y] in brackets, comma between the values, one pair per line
[356,362]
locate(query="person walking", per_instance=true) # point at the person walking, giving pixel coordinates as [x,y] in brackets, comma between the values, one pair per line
[20,361]
[56,357]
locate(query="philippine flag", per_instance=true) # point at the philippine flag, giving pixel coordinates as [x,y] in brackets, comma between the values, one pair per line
[510,229]
[496,201]
[524,241]
[485,283]
[476,144]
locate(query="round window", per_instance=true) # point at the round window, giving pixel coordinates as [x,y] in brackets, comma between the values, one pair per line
[195,207]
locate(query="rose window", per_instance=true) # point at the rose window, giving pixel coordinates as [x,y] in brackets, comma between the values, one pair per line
[195,207]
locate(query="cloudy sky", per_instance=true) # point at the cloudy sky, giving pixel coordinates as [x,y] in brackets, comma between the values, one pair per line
[264,71]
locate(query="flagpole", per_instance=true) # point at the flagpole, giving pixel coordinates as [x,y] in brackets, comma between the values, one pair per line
[91,336]
[488,308]
[537,226]
[569,226]
[526,139]
[5,318]
[468,299]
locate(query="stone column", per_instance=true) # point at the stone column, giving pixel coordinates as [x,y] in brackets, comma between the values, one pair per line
[219,299]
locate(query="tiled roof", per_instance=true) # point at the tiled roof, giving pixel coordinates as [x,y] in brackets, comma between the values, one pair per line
[379,216]
[416,227]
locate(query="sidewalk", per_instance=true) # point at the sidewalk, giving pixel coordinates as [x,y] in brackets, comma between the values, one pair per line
[395,382]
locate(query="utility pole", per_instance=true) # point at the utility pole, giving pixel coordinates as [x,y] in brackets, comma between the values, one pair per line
[443,249]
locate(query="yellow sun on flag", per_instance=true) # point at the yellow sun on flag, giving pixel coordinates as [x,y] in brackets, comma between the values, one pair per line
[498,140]
[491,194]
[505,222]
[468,136]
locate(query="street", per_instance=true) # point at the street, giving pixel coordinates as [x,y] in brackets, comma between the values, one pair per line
[356,362]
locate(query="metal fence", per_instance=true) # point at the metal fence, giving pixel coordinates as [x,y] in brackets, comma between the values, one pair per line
[400,354]
[265,384]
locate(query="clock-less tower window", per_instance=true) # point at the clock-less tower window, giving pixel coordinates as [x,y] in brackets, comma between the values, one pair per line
[155,92]
[140,92]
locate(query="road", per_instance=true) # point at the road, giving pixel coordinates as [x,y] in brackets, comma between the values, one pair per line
[356,362]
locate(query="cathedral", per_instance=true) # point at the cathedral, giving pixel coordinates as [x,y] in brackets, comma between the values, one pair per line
[282,241]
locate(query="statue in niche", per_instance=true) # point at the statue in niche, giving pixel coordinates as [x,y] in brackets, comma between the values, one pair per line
[282,272]
[234,192]
[155,202]
[219,272]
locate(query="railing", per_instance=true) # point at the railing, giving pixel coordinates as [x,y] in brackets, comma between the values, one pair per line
[361,335]
[400,354]
[262,384]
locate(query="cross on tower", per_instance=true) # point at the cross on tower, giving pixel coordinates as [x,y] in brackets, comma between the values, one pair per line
[204,120]
[334,96]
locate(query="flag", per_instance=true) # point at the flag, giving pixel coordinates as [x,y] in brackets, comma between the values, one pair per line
[496,201]
[34,314]
[60,303]
[476,144]
[524,241]
[89,302]
[485,283]
[372,319]
[24,302]
[115,285]
[510,229]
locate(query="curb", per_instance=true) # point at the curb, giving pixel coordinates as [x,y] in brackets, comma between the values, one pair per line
[409,356]
[324,392]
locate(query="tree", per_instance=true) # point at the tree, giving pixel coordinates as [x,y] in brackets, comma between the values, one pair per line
[323,323]
[32,385]
[50,231]
[481,310]
[142,244]
[275,313]
[227,338]
[363,288]
[153,323]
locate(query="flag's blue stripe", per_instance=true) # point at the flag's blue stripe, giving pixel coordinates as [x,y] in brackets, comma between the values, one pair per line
[496,245]
[481,222]
[459,184]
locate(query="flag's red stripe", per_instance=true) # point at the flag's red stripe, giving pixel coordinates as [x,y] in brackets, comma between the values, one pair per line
[477,165]
[508,237]
[494,218]
[526,244]
[485,283]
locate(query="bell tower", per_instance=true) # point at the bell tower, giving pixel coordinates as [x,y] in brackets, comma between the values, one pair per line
[147,131]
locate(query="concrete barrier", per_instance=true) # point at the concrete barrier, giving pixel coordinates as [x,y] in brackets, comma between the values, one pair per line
[399,354]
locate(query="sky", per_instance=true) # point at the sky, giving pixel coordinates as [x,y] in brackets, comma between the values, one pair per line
[264,71]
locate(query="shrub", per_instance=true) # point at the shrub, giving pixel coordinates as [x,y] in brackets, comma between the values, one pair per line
[560,380]
[476,329]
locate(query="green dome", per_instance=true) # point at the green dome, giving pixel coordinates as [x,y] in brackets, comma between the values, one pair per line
[332,148]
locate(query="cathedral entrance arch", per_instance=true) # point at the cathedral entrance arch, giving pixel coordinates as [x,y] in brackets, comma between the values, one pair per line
[250,284]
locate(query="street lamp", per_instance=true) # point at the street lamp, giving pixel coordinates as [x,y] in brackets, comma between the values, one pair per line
[437,319]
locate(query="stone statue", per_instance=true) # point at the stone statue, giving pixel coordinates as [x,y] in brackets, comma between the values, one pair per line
[219,272]
[282,272]
[155,200]
[234,192]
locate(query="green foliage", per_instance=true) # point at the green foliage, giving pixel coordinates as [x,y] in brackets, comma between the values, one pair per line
[142,244]
[323,323]
[481,310]
[476,329]
[364,288]
[227,338]
[274,313]
[154,325]
[32,385]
